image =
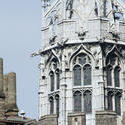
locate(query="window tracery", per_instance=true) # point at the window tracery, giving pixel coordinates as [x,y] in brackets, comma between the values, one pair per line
[52,80]
[57,79]
[57,104]
[77,75]
[117,76]
[110,101]
[113,70]
[118,103]
[83,101]
[77,102]
[54,75]
[87,102]
[109,75]
[114,99]
[51,105]
[87,74]
[82,70]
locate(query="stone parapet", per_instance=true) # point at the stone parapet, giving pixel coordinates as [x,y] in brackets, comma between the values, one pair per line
[106,118]
[48,120]
[76,118]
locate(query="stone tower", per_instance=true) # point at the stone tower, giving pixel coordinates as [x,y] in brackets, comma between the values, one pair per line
[82,66]
[8,106]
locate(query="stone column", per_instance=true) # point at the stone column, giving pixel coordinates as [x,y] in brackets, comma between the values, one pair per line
[12,107]
[5,87]
[1,78]
[63,104]
[12,88]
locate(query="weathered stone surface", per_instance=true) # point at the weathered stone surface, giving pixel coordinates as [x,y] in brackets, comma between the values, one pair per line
[76,118]
[12,88]
[1,74]
[1,78]
[106,118]
[48,120]
[123,119]
[5,87]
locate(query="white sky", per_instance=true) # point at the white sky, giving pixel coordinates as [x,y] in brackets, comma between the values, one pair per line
[20,22]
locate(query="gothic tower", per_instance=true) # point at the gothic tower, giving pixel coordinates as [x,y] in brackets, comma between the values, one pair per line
[82,66]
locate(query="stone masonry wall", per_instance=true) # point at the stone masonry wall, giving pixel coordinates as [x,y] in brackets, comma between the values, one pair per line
[106,118]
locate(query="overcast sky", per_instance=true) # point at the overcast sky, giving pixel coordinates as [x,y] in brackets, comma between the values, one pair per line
[20,22]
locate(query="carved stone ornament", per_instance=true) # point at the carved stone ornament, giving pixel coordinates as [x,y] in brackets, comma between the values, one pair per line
[114,33]
[52,39]
[82,33]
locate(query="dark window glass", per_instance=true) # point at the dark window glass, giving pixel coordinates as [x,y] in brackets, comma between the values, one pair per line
[52,81]
[77,75]
[87,74]
[109,99]
[82,58]
[117,76]
[58,79]
[51,106]
[77,102]
[109,75]
[57,104]
[87,102]
[118,103]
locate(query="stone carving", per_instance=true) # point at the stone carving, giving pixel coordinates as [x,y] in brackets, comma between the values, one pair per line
[82,34]
[82,89]
[52,39]
[114,90]
[63,42]
[115,35]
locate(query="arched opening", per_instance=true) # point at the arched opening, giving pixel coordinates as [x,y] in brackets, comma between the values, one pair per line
[51,105]
[117,76]
[109,75]
[87,74]
[77,75]
[77,102]
[51,81]
[57,79]
[87,102]
[110,100]
[118,103]
[57,104]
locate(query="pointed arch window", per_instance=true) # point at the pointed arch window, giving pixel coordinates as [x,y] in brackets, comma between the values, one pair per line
[52,80]
[87,74]
[57,104]
[118,103]
[57,79]
[117,76]
[77,102]
[51,105]
[110,101]
[77,75]
[87,102]
[109,75]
